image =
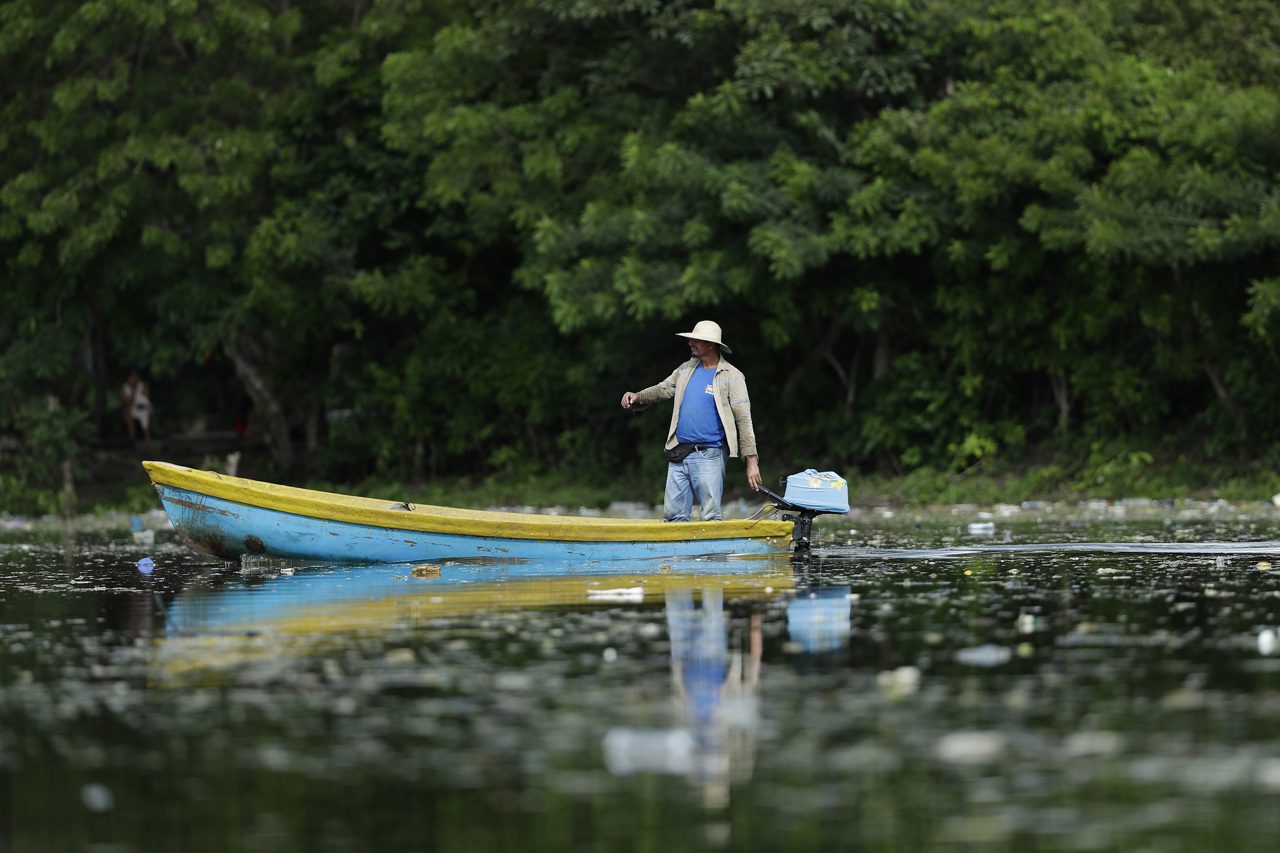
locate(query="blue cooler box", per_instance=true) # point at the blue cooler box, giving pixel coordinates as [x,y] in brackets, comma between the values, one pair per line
[826,491]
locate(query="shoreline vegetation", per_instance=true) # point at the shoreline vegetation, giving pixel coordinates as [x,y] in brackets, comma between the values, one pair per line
[1134,479]
[978,252]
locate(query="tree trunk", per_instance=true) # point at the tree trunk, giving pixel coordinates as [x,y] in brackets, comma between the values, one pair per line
[1203,324]
[883,357]
[821,350]
[313,430]
[68,501]
[849,378]
[1225,396]
[535,445]
[1061,388]
[98,367]
[419,453]
[249,359]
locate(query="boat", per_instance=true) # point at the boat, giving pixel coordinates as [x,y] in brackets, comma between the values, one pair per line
[233,517]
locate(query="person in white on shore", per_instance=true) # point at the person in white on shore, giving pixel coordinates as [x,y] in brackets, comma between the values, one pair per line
[137,406]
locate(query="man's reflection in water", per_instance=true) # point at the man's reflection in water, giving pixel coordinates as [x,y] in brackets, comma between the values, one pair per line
[715,694]
[715,685]
[715,689]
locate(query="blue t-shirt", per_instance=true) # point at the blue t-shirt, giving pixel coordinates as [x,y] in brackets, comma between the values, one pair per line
[699,421]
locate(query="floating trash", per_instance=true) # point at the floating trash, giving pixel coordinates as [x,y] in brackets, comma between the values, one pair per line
[1029,623]
[1093,744]
[899,682]
[97,797]
[985,655]
[628,751]
[1267,641]
[146,565]
[982,528]
[1267,774]
[628,595]
[971,747]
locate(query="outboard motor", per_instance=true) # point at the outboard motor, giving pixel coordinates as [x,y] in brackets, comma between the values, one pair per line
[806,496]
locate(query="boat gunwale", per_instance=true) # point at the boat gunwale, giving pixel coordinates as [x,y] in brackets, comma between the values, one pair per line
[424,518]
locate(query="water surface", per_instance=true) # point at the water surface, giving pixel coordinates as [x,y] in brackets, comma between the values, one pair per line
[1046,685]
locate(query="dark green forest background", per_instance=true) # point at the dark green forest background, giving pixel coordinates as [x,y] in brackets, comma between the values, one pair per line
[938,235]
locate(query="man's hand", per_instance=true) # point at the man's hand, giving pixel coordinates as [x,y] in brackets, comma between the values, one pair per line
[628,399]
[753,473]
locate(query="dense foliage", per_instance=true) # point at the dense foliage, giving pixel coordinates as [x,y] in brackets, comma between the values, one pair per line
[431,238]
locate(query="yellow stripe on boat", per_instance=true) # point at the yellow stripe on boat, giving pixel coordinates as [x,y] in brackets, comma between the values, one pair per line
[464,522]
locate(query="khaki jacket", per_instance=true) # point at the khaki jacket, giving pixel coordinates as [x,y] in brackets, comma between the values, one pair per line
[732,403]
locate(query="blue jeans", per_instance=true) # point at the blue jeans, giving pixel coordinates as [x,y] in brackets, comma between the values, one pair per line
[701,473]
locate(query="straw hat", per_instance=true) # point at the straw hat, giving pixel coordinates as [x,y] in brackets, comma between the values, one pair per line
[706,330]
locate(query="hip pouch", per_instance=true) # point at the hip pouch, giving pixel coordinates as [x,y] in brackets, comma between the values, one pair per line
[678,453]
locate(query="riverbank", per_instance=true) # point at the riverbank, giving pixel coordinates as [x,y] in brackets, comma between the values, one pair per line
[1062,483]
[882,525]
[113,482]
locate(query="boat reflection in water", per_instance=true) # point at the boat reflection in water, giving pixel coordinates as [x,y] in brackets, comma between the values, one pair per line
[274,610]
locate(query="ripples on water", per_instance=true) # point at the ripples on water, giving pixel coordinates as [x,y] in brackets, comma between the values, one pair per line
[908,687]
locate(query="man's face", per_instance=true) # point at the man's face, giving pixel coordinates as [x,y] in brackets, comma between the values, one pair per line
[701,349]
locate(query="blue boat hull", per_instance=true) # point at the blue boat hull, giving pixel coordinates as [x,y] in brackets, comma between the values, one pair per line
[229,530]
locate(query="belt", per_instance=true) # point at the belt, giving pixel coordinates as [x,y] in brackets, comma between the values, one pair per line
[701,447]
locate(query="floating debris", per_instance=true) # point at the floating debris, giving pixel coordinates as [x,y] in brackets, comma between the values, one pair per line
[400,656]
[900,682]
[1029,623]
[986,655]
[628,595]
[97,797]
[1093,744]
[628,751]
[971,747]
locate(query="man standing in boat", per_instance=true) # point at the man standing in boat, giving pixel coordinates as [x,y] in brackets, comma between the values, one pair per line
[710,422]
